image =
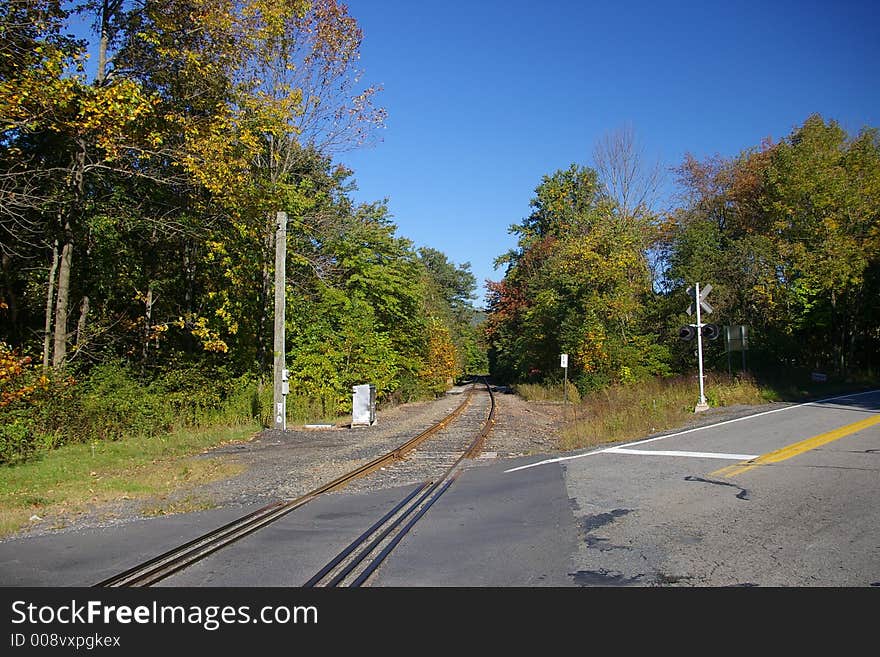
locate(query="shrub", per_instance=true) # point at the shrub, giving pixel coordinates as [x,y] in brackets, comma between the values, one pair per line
[17,440]
[115,404]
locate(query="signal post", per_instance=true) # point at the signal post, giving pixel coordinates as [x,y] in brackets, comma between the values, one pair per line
[688,333]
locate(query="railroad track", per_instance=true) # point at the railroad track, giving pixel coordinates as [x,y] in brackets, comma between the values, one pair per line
[176,559]
[354,565]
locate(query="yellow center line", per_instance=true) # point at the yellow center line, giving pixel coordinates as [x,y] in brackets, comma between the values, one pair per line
[798,448]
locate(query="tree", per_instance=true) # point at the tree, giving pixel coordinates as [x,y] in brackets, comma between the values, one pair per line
[628,179]
[787,235]
[576,285]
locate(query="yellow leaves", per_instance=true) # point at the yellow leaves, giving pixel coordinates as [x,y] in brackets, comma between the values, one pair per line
[440,365]
[16,380]
[215,345]
[223,313]
[590,354]
[109,112]
[209,337]
[44,97]
[215,249]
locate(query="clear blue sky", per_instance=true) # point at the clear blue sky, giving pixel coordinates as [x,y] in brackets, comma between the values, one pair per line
[486,97]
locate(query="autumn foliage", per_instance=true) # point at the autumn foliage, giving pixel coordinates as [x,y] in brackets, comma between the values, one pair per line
[787,233]
[138,197]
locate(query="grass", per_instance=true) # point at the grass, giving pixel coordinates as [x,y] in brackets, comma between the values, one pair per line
[630,412]
[550,392]
[77,477]
[623,413]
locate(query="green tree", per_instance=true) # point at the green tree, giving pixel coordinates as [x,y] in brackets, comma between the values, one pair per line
[786,233]
[577,285]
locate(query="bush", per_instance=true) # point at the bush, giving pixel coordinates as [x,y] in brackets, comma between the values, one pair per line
[190,392]
[17,441]
[27,398]
[115,404]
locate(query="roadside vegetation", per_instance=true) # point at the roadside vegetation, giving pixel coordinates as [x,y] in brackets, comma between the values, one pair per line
[787,233]
[631,411]
[627,412]
[79,477]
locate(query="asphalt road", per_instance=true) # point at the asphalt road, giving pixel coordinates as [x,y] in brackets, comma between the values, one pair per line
[673,510]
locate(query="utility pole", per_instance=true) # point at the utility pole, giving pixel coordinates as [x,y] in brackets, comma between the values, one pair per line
[279,380]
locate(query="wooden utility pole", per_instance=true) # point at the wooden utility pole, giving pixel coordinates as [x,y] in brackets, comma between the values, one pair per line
[280,299]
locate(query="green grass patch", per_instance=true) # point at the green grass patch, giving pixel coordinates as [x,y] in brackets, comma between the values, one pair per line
[75,477]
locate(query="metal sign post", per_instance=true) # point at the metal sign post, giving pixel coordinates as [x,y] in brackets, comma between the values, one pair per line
[701,405]
[698,304]
[563,363]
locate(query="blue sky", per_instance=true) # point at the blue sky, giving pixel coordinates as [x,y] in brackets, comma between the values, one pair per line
[486,97]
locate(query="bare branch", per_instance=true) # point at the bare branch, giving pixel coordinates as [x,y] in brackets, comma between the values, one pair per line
[629,180]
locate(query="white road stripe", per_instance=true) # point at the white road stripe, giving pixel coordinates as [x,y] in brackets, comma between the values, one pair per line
[696,455]
[680,433]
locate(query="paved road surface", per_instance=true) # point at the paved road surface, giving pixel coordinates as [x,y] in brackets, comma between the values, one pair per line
[674,510]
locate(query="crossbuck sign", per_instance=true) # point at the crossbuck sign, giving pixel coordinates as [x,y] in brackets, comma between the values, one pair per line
[699,295]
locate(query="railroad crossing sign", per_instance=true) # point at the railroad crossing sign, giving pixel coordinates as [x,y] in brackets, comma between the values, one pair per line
[700,303]
[704,305]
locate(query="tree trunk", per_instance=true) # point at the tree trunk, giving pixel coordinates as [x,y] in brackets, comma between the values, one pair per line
[837,335]
[81,324]
[148,301]
[59,354]
[189,257]
[50,298]
[77,187]
[108,11]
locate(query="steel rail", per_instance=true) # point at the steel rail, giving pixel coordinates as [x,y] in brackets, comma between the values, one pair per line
[180,557]
[430,489]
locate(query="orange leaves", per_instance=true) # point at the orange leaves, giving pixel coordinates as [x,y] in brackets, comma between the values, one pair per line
[17,380]
[11,364]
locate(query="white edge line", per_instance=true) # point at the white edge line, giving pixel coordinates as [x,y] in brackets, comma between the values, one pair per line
[699,455]
[679,433]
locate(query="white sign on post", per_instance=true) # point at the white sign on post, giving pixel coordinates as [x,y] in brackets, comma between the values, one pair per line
[563,360]
[699,297]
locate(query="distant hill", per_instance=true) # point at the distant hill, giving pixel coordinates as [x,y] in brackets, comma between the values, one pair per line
[479,317]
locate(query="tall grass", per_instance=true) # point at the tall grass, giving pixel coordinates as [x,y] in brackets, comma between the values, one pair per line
[553,392]
[634,411]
